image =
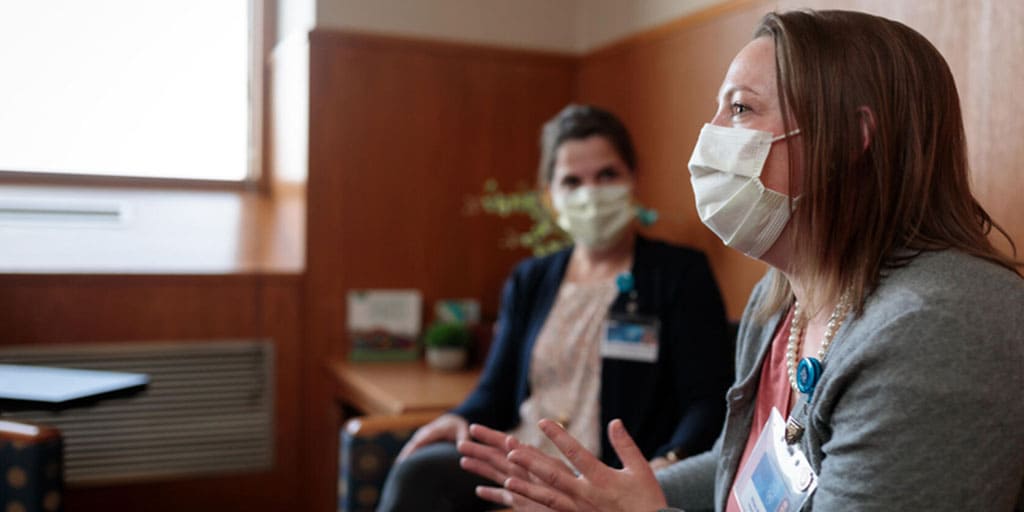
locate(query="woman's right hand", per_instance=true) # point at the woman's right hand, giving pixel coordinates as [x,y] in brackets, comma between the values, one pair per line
[447,427]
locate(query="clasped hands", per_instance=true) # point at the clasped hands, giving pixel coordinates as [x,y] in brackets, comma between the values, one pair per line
[531,481]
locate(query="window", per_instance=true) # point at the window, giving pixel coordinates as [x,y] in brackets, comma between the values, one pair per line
[140,88]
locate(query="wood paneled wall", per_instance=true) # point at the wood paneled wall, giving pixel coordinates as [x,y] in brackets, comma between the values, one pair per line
[126,308]
[402,134]
[663,83]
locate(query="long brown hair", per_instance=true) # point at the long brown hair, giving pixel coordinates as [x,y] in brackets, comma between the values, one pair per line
[865,210]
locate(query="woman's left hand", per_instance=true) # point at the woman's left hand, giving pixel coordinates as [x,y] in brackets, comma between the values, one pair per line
[551,486]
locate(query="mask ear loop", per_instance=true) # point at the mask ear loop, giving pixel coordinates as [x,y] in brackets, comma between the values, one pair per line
[793,201]
[785,135]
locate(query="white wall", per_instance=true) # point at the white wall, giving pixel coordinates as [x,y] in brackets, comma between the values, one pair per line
[600,22]
[295,17]
[569,26]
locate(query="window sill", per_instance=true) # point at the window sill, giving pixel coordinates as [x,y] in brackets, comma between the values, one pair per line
[161,231]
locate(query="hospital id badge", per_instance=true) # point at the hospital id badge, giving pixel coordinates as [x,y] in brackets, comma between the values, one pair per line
[631,337]
[776,477]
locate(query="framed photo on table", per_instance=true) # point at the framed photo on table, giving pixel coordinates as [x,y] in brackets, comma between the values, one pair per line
[384,325]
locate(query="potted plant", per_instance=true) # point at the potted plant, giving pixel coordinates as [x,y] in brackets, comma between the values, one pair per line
[447,345]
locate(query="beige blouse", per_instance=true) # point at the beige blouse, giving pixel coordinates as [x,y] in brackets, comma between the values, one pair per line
[565,367]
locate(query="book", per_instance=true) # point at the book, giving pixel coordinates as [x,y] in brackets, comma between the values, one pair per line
[384,325]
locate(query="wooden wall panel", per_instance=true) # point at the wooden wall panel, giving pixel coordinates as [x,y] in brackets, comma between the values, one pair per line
[402,133]
[97,308]
[406,132]
[663,83]
[125,308]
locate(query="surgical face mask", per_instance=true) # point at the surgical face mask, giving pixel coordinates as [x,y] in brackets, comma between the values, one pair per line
[595,217]
[731,200]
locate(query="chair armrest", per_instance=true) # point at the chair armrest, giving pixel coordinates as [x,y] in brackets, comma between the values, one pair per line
[369,445]
[31,467]
[368,426]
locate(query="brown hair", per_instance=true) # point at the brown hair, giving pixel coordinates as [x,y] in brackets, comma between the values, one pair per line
[576,122]
[863,211]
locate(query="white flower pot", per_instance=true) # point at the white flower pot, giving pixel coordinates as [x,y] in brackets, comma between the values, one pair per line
[447,359]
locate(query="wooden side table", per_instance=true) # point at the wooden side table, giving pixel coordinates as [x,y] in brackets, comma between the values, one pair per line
[392,388]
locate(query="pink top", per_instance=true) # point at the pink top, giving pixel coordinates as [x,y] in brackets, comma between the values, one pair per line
[772,391]
[565,367]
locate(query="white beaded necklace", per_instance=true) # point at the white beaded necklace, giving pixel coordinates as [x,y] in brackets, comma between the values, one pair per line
[796,329]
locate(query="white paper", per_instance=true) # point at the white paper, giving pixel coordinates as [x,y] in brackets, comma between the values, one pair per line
[396,312]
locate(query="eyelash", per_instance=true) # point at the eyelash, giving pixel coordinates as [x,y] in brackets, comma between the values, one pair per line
[603,175]
[736,106]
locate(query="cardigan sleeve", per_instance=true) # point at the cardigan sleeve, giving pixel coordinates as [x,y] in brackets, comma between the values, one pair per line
[492,402]
[690,484]
[701,367]
[926,415]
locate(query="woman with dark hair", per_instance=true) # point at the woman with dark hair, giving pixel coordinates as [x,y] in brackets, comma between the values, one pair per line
[617,326]
[880,363]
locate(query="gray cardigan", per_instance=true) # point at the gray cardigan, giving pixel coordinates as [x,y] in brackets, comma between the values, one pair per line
[920,406]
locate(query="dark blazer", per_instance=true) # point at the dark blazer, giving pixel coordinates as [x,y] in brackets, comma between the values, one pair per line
[676,403]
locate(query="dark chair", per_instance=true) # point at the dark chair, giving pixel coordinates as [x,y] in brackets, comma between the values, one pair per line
[31,468]
[369,445]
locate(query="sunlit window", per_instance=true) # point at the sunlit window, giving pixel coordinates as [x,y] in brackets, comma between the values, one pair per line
[142,88]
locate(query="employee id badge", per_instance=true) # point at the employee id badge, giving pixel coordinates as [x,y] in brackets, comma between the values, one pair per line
[776,477]
[631,337]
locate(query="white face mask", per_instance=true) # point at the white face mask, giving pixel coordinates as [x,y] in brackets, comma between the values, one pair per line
[731,200]
[595,217]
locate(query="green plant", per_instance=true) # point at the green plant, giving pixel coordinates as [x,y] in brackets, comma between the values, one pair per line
[543,236]
[447,335]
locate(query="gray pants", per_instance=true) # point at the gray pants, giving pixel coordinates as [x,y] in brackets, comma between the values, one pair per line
[431,479]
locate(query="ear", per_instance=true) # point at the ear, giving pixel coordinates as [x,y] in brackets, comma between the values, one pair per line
[867,126]
[546,201]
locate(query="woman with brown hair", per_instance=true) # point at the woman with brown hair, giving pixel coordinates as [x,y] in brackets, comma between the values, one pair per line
[880,363]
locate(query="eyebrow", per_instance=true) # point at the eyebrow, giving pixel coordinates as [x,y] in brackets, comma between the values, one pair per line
[728,92]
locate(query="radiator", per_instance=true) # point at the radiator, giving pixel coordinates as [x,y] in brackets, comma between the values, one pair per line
[208,410]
